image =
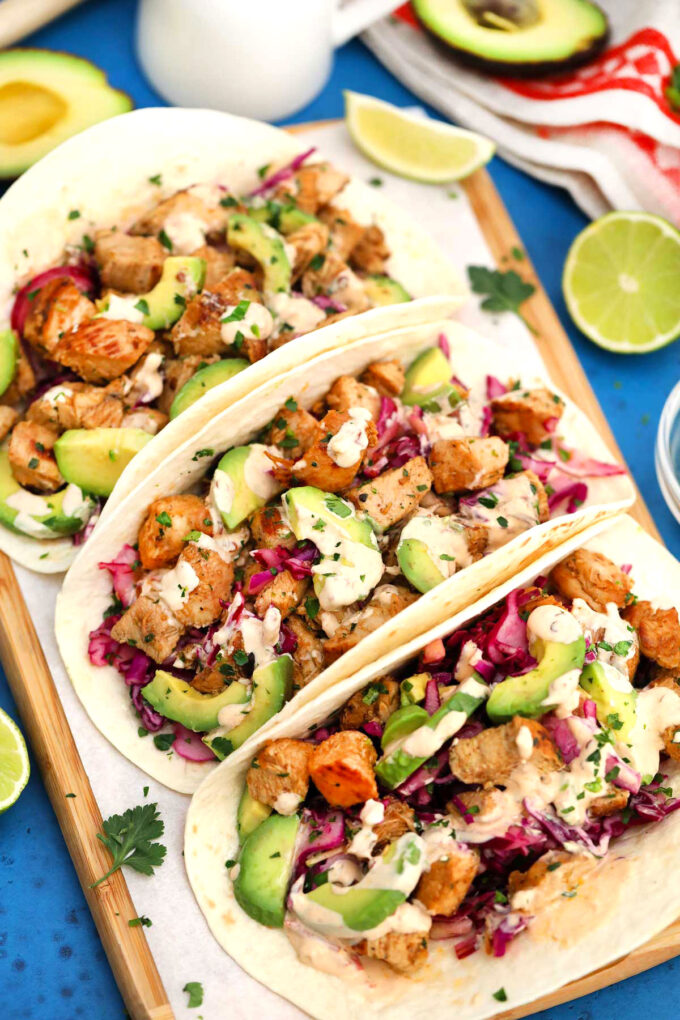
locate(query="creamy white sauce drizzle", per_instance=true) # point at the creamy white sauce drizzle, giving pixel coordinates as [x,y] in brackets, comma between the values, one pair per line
[348,444]
[551,623]
[177,584]
[122,308]
[287,803]
[148,379]
[257,472]
[607,627]
[299,313]
[186,232]
[514,512]
[657,708]
[260,636]
[222,491]
[444,538]
[257,323]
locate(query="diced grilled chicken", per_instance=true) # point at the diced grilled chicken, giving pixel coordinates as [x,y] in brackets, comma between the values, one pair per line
[442,889]
[308,241]
[341,768]
[492,755]
[199,330]
[371,251]
[8,418]
[592,577]
[31,458]
[376,703]
[533,412]
[268,529]
[146,418]
[615,799]
[149,626]
[386,601]
[335,279]
[308,657]
[312,187]
[460,464]
[405,953]
[55,310]
[345,232]
[78,406]
[126,263]
[395,494]
[185,203]
[218,263]
[168,521]
[317,467]
[177,371]
[294,431]
[658,632]
[102,349]
[387,377]
[281,767]
[346,392]
[209,681]
[203,604]
[399,818]
[284,592]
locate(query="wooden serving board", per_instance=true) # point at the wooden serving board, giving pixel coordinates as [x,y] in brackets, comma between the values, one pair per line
[45,724]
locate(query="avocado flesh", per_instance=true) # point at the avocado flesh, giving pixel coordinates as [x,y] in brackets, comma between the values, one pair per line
[266,248]
[609,701]
[417,565]
[181,279]
[265,867]
[53,523]
[244,501]
[527,695]
[8,356]
[427,383]
[46,97]
[566,34]
[402,722]
[205,379]
[272,685]
[284,218]
[383,290]
[94,459]
[360,909]
[412,690]
[250,814]
[177,700]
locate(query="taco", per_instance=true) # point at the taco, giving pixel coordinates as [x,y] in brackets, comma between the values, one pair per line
[218,255]
[478,818]
[316,523]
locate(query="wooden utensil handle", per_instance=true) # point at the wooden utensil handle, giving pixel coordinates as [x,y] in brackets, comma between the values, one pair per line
[18,18]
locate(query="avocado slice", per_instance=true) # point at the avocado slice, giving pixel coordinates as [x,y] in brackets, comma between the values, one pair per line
[8,355]
[383,290]
[250,814]
[241,483]
[182,277]
[272,685]
[431,549]
[265,868]
[614,695]
[427,383]
[40,516]
[284,218]
[499,36]
[527,695]
[412,690]
[177,700]
[46,97]
[94,459]
[266,247]
[402,722]
[203,380]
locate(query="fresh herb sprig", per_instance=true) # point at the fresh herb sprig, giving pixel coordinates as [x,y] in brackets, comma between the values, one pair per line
[128,837]
[505,291]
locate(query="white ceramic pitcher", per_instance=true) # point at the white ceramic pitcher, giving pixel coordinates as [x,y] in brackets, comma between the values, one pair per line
[258,58]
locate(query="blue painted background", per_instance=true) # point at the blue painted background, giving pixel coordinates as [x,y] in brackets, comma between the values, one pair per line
[52,966]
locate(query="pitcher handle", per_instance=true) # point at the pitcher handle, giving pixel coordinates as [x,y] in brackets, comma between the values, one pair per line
[357,15]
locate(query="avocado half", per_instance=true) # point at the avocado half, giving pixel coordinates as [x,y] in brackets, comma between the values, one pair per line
[516,38]
[45,97]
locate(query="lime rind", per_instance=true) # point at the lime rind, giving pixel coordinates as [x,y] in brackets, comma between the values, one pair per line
[14,764]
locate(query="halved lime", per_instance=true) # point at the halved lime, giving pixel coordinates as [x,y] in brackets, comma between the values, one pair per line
[621,282]
[14,765]
[412,146]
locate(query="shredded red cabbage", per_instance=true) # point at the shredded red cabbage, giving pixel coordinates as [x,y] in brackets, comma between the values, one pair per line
[328,304]
[506,644]
[487,418]
[443,344]
[563,738]
[373,728]
[494,387]
[283,174]
[320,831]
[425,774]
[571,462]
[508,929]
[625,777]
[450,928]
[432,699]
[81,537]
[122,574]
[136,668]
[575,492]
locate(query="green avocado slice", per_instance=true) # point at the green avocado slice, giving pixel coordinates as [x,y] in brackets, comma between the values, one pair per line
[272,685]
[265,867]
[205,379]
[527,695]
[181,279]
[427,383]
[8,357]
[179,701]
[383,290]
[266,247]
[250,814]
[41,517]
[614,696]
[94,459]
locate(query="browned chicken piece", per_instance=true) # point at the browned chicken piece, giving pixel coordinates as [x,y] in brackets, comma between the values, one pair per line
[335,279]
[317,466]
[375,703]
[294,431]
[255,348]
[371,251]
[76,405]
[168,521]
[281,767]
[209,681]
[284,592]
[405,953]
[56,309]
[341,768]
[312,186]
[148,419]
[8,419]
[344,229]
[199,330]
[609,803]
[386,601]
[399,819]
[476,537]
[387,377]
[214,217]
[102,349]
[492,755]
[592,577]
[527,411]
[308,657]
[395,494]
[658,632]
[31,458]
[268,529]
[218,262]
[203,604]
[460,464]
[442,889]
[308,241]
[130,264]
[346,392]
[177,371]
[149,626]
[23,382]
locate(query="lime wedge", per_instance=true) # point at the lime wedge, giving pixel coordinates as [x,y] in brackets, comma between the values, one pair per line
[620,282]
[14,765]
[411,146]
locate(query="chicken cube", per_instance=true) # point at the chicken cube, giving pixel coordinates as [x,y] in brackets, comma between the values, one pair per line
[209,681]
[609,803]
[399,818]
[269,529]
[126,263]
[492,755]
[318,466]
[533,412]
[592,577]
[336,280]
[77,406]
[177,372]
[345,232]
[308,242]
[395,494]
[460,464]
[199,329]
[279,774]
[308,657]
[405,953]
[371,251]
[148,419]
[387,377]
[8,419]
[31,458]
[658,632]
[442,889]
[102,349]
[346,392]
[186,203]
[385,603]
[203,604]
[312,187]
[55,309]
[284,591]
[341,768]
[294,431]
[168,522]
[375,703]
[218,262]
[149,626]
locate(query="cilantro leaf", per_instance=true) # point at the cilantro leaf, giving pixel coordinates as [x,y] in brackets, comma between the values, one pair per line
[672,90]
[194,990]
[505,291]
[128,837]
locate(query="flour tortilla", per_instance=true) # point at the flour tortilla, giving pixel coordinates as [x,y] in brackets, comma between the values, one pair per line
[626,902]
[105,172]
[86,592]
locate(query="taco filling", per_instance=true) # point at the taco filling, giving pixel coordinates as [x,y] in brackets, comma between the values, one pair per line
[136,325]
[298,546]
[473,791]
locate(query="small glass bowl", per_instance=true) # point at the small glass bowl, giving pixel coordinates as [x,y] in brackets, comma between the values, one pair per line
[667,452]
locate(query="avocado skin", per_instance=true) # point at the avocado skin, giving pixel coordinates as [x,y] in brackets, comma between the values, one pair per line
[178,701]
[250,814]
[265,866]
[525,695]
[271,688]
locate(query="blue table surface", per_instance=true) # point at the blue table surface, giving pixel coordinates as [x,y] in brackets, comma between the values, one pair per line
[52,966]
